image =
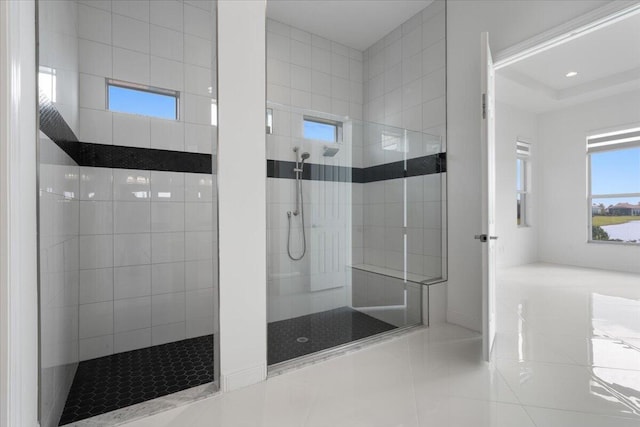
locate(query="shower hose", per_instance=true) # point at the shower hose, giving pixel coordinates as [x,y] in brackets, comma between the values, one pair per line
[304,237]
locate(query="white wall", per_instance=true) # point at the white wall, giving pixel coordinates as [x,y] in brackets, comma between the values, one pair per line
[563,206]
[242,192]
[516,245]
[507,23]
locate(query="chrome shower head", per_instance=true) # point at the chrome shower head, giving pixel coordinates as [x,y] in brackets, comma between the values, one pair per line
[304,156]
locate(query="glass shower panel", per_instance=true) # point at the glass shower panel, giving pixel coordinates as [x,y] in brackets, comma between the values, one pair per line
[346,231]
[127,209]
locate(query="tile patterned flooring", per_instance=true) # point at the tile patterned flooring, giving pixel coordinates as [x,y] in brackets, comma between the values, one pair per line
[124,379]
[567,354]
[112,382]
[322,330]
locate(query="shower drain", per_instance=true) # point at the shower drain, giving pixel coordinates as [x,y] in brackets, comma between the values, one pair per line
[302,339]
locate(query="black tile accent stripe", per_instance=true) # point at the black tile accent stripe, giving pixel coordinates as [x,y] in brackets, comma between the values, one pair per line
[313,171]
[55,127]
[115,156]
[323,330]
[426,165]
[124,379]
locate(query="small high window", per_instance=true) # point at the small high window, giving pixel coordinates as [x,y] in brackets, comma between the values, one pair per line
[47,82]
[269,119]
[133,98]
[322,130]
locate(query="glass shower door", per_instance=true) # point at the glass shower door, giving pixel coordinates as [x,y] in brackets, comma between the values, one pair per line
[346,231]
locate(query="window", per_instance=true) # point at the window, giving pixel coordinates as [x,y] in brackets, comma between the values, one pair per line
[322,130]
[614,186]
[47,82]
[523,153]
[269,120]
[394,140]
[214,112]
[139,99]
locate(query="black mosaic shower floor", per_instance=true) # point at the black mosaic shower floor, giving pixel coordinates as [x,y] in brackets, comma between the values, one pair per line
[322,330]
[113,382]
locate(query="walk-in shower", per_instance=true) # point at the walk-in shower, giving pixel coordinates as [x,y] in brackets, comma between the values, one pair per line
[372,219]
[298,169]
[127,207]
[359,259]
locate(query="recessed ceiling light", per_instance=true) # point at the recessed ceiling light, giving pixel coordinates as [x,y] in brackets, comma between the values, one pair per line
[571,74]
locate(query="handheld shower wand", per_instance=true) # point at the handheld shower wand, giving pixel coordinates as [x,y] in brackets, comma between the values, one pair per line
[299,168]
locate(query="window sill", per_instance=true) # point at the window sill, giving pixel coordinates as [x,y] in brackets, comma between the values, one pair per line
[605,242]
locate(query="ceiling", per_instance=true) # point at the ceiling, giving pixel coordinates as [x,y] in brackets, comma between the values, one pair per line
[607,61]
[355,23]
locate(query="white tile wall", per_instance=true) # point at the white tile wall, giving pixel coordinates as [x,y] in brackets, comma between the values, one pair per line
[131,249]
[132,340]
[305,71]
[130,33]
[404,86]
[146,254]
[131,282]
[166,44]
[115,245]
[137,9]
[96,285]
[147,239]
[131,217]
[167,13]
[170,277]
[96,319]
[131,314]
[60,290]
[59,198]
[96,217]
[94,24]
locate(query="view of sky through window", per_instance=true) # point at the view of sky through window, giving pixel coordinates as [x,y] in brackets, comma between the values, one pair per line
[128,100]
[615,172]
[320,131]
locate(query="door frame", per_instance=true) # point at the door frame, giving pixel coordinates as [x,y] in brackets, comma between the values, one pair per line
[573,29]
[18,218]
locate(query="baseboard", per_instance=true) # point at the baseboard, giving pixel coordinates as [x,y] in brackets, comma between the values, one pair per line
[463,320]
[437,303]
[243,378]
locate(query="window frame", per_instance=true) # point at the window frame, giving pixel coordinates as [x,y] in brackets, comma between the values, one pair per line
[523,154]
[338,134]
[142,88]
[621,138]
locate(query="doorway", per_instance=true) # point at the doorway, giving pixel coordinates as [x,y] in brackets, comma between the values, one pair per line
[553,192]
